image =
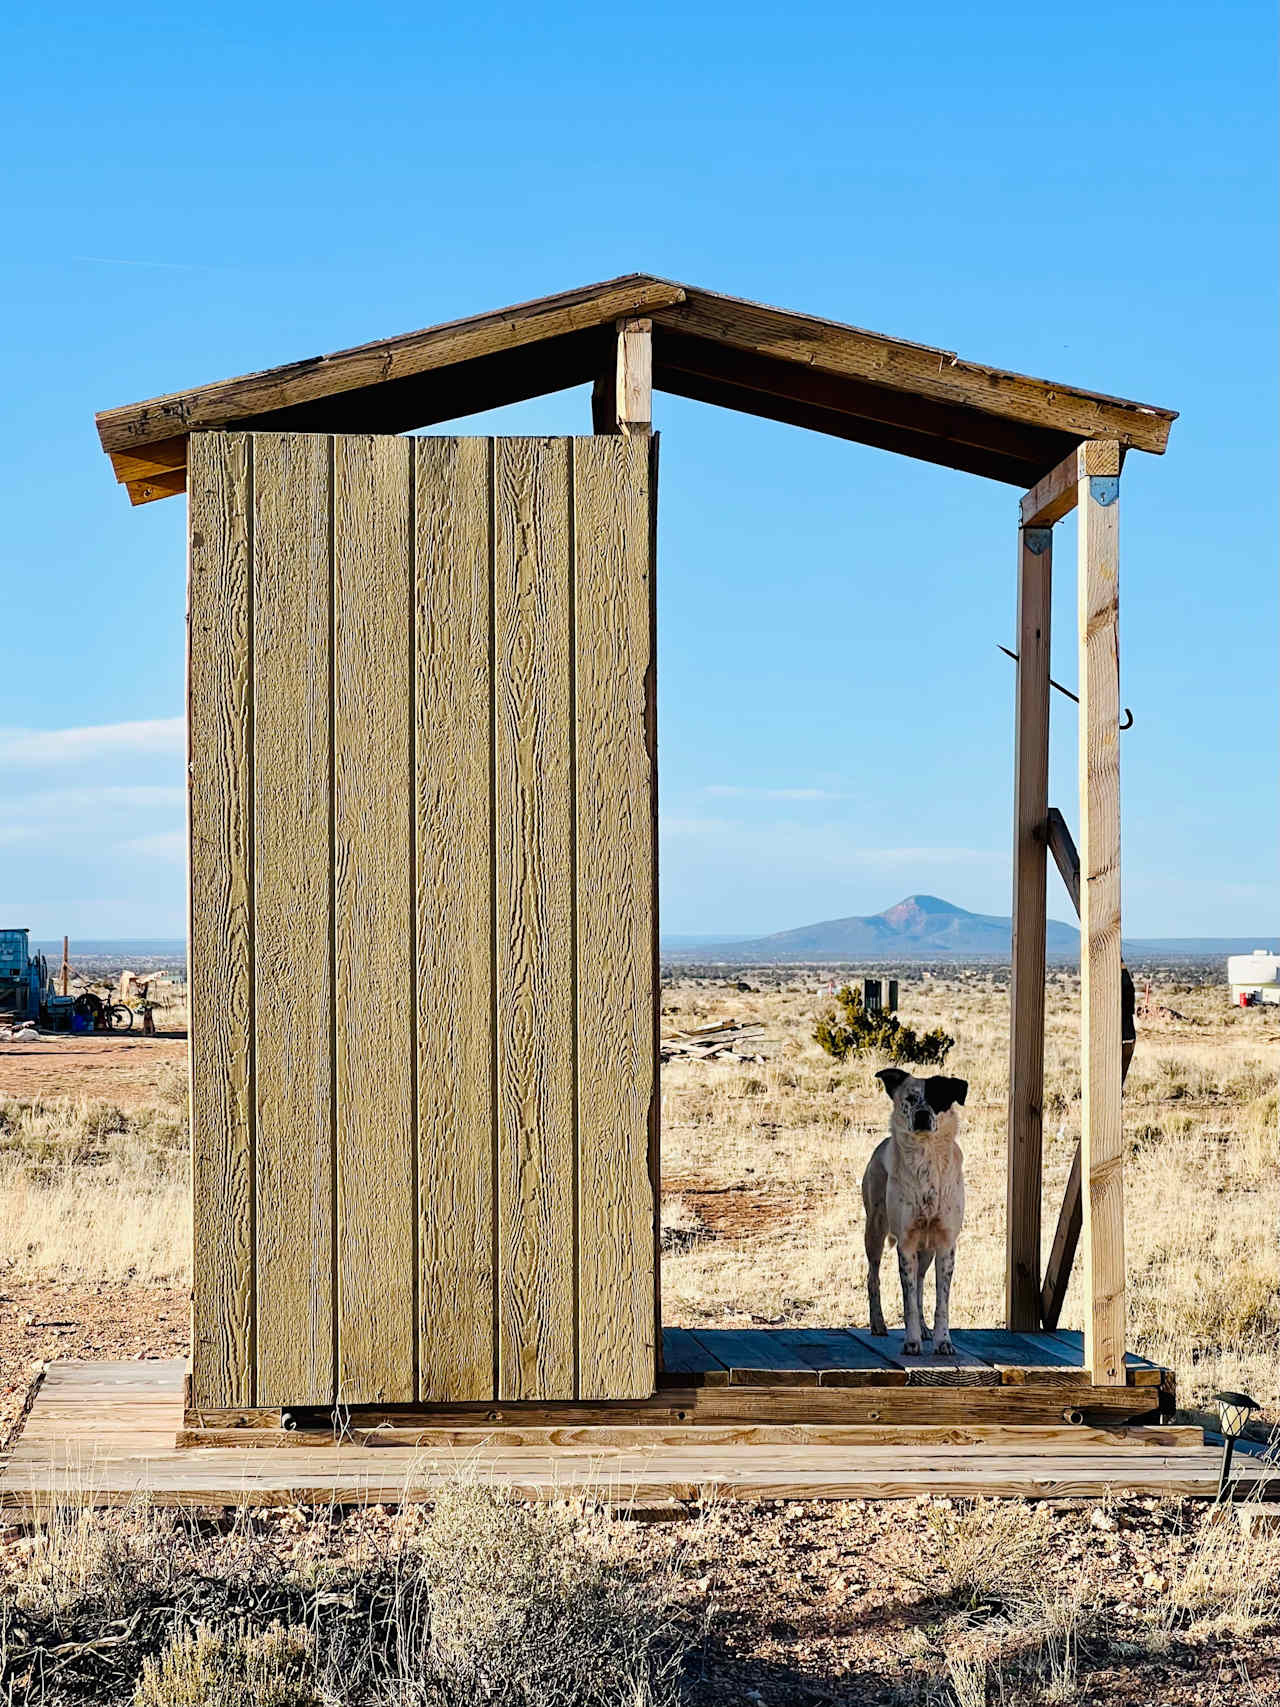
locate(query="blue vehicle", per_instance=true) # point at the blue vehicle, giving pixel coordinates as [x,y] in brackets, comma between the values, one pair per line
[24,978]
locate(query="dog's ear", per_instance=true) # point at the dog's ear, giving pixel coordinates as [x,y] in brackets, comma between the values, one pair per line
[891,1078]
[942,1093]
[958,1090]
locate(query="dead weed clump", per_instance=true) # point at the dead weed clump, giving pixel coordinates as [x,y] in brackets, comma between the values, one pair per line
[225,1668]
[482,1600]
[523,1610]
[989,1552]
[1229,1583]
[1015,1630]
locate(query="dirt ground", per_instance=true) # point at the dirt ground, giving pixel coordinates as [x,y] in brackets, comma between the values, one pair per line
[123,1068]
[41,1323]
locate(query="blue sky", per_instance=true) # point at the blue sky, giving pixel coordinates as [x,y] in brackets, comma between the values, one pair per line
[189,195]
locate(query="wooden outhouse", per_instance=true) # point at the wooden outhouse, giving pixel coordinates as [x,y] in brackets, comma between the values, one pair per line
[423,926]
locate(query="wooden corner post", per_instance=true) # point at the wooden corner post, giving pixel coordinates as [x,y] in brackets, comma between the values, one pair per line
[1101,1136]
[622,398]
[1026,996]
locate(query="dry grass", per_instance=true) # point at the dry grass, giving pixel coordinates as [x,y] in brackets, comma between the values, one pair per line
[480,1599]
[1012,1629]
[91,1192]
[484,1599]
[1229,1583]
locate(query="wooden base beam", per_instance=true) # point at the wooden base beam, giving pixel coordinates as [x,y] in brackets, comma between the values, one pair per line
[1039,1403]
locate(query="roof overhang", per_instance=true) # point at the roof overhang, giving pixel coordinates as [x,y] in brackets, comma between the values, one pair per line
[832,378]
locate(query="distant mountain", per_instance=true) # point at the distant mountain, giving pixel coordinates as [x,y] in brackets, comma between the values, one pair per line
[920,928]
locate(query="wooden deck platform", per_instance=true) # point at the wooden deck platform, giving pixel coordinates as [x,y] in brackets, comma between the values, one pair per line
[104,1433]
[852,1357]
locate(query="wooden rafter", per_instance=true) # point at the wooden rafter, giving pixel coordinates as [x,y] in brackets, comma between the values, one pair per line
[939,375]
[377,364]
[838,424]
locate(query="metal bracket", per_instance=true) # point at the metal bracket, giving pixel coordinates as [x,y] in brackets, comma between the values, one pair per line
[1104,489]
[1037,540]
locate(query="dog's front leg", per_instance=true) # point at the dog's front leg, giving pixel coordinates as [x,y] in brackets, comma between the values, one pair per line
[942,1345]
[909,1274]
[874,1243]
[925,1262]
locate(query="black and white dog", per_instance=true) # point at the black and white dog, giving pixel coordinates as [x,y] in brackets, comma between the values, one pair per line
[913,1193]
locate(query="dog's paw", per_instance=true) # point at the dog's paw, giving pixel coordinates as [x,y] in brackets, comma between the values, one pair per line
[911,1348]
[944,1348]
[879,1327]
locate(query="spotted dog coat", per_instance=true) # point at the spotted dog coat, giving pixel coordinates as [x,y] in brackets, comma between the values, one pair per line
[913,1193]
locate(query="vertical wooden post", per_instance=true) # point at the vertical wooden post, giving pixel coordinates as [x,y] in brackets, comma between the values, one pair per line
[1026,991]
[622,398]
[1101,1137]
[66,966]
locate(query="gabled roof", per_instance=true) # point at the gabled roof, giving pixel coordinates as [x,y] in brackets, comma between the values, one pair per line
[820,374]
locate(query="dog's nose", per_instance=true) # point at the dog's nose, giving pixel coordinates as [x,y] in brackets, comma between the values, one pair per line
[923,1120]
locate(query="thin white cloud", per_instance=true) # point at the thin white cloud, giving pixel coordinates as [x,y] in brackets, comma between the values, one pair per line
[738,792]
[164,844]
[157,735]
[670,825]
[100,812]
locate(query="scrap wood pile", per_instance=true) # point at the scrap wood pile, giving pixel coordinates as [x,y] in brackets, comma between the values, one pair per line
[718,1042]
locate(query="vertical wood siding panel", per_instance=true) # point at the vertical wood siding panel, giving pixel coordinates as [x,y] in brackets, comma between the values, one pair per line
[293,991]
[373,923]
[655,969]
[615,1052]
[221,927]
[453,710]
[534,922]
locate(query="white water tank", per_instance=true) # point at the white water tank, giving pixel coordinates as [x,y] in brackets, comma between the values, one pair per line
[1257,973]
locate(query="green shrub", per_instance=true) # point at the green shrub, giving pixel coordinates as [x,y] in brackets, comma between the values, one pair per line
[863,1033]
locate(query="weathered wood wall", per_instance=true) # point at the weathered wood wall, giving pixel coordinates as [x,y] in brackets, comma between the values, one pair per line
[422,918]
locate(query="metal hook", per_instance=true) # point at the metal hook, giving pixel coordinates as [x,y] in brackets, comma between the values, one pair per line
[1126,722]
